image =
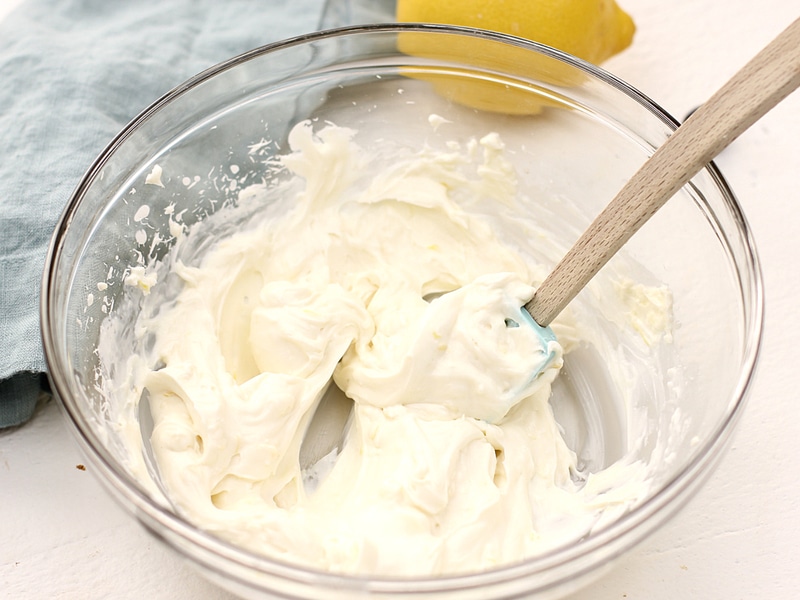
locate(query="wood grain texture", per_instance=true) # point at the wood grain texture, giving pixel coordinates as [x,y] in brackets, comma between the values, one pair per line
[761,84]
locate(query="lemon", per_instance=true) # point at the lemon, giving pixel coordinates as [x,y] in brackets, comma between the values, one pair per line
[592,30]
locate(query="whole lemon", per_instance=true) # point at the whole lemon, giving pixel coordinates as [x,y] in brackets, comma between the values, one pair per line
[496,76]
[592,30]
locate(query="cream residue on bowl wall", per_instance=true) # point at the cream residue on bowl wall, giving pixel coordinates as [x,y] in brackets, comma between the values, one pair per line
[454,462]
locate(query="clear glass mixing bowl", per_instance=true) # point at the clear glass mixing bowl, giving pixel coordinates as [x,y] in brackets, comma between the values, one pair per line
[589,133]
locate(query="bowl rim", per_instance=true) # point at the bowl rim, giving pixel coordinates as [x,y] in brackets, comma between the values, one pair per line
[140,504]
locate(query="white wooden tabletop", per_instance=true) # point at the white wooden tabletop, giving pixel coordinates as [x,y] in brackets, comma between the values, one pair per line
[61,536]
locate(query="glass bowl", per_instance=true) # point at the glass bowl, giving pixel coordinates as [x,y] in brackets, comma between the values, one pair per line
[573,132]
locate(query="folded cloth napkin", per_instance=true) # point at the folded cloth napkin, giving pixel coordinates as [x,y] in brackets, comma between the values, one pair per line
[73,73]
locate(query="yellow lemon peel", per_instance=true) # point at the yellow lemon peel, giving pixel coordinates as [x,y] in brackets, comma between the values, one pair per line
[592,30]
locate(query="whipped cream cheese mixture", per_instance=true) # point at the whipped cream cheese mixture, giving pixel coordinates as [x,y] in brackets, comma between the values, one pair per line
[394,279]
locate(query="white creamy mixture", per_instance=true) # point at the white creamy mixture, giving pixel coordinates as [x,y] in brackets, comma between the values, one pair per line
[454,461]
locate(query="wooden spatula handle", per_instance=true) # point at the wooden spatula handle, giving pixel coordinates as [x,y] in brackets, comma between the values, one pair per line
[766,80]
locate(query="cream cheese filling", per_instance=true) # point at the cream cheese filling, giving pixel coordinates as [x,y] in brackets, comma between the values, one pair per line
[454,461]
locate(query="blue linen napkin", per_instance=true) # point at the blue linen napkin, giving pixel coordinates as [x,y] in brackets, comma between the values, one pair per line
[72,74]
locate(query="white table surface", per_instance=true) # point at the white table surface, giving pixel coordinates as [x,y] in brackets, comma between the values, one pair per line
[61,536]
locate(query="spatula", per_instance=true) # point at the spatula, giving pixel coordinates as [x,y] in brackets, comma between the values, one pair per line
[761,84]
